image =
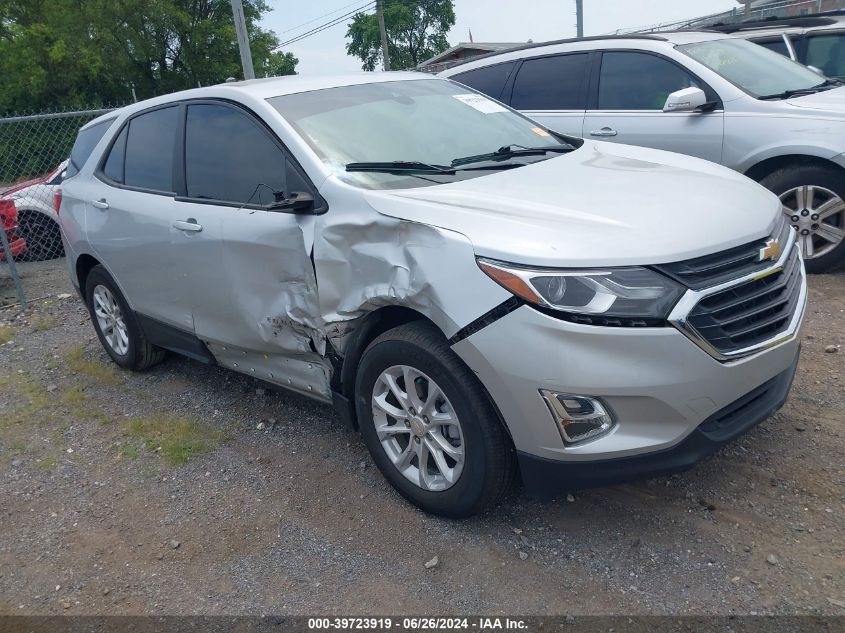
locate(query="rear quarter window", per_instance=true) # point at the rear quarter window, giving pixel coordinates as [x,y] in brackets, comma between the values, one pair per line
[86,141]
[490,80]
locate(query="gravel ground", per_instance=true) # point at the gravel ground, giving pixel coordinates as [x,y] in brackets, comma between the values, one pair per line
[191,490]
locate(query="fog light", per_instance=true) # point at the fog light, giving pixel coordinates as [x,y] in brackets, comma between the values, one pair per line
[578,418]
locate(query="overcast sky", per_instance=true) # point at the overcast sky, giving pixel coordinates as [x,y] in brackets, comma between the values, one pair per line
[490,21]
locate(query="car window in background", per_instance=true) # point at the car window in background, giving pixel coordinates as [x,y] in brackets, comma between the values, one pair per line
[639,81]
[756,70]
[778,46]
[827,53]
[86,141]
[490,80]
[229,157]
[149,150]
[551,83]
[113,167]
[427,120]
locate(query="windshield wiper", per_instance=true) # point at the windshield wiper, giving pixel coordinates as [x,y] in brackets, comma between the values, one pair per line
[510,151]
[413,167]
[397,166]
[827,84]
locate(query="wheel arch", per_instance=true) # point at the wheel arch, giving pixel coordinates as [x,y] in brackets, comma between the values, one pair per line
[767,166]
[84,264]
[370,326]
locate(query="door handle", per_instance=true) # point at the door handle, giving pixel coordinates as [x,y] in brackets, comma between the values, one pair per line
[190,225]
[101,203]
[605,131]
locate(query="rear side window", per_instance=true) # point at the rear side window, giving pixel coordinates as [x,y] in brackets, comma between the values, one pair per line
[230,157]
[150,141]
[827,53]
[86,141]
[639,81]
[490,80]
[551,83]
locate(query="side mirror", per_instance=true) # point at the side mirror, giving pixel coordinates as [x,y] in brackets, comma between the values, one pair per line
[686,100]
[295,202]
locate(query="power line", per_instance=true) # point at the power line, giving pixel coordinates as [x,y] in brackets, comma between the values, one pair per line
[325,15]
[327,25]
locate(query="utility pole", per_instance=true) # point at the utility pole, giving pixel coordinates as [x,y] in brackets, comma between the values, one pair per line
[243,38]
[579,18]
[384,53]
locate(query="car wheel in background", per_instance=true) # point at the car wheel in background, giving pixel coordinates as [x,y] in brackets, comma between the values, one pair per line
[813,198]
[429,425]
[116,325]
[43,237]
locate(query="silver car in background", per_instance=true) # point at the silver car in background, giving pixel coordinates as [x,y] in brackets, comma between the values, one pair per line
[473,292]
[704,94]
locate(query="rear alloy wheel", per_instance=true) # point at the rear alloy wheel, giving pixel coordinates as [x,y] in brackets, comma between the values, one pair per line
[813,199]
[116,324]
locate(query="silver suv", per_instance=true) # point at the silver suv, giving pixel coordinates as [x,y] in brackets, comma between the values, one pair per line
[704,94]
[472,291]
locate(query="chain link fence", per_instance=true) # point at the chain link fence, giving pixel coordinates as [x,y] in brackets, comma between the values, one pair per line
[33,154]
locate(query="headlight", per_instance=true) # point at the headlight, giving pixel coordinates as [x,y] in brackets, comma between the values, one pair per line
[600,296]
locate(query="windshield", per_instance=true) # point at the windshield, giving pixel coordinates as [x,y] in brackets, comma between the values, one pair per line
[420,124]
[757,70]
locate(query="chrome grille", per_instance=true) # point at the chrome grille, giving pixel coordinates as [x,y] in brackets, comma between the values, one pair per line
[733,263]
[755,311]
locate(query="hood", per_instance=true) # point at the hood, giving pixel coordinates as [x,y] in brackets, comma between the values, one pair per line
[601,205]
[829,101]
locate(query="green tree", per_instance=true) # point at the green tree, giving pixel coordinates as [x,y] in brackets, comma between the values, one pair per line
[60,53]
[416,30]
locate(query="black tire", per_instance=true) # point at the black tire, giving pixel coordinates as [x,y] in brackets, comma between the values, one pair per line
[489,464]
[43,237]
[789,177]
[141,354]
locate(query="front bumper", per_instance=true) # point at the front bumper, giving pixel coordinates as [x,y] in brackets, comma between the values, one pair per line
[660,386]
[546,478]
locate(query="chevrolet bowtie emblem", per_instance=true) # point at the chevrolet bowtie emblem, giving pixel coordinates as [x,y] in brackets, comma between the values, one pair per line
[771,251]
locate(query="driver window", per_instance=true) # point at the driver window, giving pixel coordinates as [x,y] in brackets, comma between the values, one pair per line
[639,81]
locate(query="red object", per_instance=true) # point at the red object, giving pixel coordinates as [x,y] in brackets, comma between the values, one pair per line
[24,185]
[9,224]
[57,200]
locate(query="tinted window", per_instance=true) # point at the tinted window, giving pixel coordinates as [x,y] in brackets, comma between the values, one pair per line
[114,163]
[778,46]
[149,150]
[489,80]
[228,156]
[827,53]
[639,81]
[86,141]
[550,83]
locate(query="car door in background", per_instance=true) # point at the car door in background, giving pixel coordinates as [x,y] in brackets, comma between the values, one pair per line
[552,90]
[247,268]
[130,215]
[627,100]
[826,51]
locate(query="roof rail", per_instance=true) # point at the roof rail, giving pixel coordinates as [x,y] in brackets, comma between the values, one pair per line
[805,21]
[591,38]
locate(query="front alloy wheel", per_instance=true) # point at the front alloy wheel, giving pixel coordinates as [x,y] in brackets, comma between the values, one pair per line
[818,215]
[429,425]
[418,428]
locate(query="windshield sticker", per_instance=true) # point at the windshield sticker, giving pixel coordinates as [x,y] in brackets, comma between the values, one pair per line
[540,131]
[480,103]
